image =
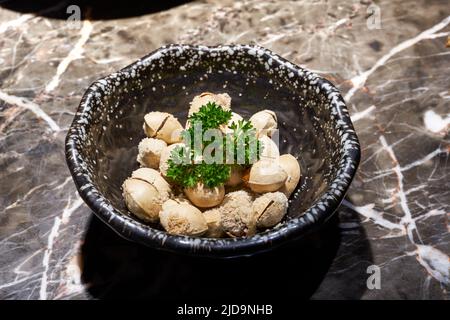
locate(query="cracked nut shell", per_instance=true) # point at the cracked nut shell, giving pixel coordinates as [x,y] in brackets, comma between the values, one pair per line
[162,125]
[221,99]
[265,122]
[237,215]
[205,197]
[181,218]
[266,175]
[144,192]
[269,209]
[292,168]
[149,152]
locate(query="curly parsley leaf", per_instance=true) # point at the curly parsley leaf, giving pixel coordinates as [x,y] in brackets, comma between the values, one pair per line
[211,116]
[189,174]
[185,172]
[213,174]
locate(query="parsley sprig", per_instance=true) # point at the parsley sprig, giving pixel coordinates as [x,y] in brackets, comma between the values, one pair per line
[189,174]
[212,116]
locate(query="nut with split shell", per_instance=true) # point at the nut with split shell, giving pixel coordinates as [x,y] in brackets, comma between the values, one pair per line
[236,213]
[221,99]
[144,192]
[269,209]
[181,218]
[266,175]
[292,168]
[149,152]
[265,122]
[162,125]
[204,197]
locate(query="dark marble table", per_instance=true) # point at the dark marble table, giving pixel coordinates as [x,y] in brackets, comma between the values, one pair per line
[395,79]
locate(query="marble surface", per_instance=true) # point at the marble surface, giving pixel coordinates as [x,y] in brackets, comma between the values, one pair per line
[395,80]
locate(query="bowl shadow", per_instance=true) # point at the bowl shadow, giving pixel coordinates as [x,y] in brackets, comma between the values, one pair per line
[92,9]
[115,268]
[347,277]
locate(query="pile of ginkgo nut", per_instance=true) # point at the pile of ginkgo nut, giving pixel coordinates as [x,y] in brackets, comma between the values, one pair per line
[254,198]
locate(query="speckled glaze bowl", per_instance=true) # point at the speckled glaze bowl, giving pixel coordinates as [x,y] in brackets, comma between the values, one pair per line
[101,144]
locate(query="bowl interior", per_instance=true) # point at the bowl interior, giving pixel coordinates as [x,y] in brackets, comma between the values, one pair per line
[170,83]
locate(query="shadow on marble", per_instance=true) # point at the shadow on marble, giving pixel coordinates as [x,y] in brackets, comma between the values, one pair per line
[99,9]
[347,277]
[114,268]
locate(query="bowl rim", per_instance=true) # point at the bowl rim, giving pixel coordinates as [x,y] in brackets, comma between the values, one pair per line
[320,211]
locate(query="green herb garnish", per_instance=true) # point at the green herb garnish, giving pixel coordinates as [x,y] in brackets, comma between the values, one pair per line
[211,116]
[187,173]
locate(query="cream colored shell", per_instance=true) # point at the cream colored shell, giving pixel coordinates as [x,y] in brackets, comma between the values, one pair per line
[237,215]
[266,175]
[153,177]
[269,209]
[270,148]
[162,125]
[221,99]
[145,192]
[205,197]
[149,152]
[182,219]
[265,122]
[292,168]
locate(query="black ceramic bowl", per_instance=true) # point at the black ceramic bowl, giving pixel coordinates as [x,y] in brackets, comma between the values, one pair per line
[101,145]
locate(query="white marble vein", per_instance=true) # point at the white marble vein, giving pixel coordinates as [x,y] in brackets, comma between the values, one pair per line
[63,219]
[75,53]
[415,163]
[407,219]
[15,23]
[369,212]
[31,106]
[360,80]
[362,114]
[435,262]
